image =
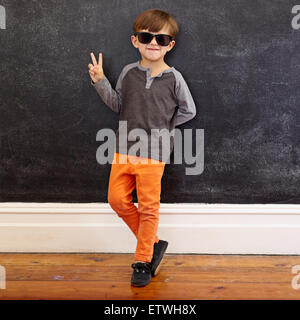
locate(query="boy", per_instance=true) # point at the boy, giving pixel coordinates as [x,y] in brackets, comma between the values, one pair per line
[148,95]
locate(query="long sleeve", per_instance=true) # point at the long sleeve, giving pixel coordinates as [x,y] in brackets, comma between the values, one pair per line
[186,105]
[111,97]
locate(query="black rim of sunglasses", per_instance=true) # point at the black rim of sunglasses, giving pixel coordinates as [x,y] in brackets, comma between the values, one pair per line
[157,37]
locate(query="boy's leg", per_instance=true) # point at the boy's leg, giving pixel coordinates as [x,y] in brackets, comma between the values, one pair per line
[121,185]
[148,186]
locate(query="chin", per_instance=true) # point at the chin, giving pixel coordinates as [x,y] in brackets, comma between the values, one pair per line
[153,57]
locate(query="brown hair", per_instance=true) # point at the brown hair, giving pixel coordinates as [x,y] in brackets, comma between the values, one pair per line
[155,20]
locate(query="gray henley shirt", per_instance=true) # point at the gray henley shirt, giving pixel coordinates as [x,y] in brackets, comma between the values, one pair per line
[143,102]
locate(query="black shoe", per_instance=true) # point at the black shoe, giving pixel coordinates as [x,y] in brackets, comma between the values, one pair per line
[141,274]
[158,252]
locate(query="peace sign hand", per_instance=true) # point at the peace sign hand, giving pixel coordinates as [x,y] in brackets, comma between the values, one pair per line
[96,70]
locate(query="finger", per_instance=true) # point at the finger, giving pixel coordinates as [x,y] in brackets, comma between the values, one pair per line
[91,67]
[94,59]
[100,59]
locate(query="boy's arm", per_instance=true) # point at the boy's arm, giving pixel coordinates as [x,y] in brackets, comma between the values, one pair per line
[112,98]
[186,106]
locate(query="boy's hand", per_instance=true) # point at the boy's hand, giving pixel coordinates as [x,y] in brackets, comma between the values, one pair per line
[96,70]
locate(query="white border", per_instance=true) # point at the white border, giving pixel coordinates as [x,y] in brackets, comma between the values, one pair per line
[189,228]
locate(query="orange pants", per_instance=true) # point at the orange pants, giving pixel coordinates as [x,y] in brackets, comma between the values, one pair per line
[146,178]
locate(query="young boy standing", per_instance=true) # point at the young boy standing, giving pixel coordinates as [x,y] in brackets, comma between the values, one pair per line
[148,95]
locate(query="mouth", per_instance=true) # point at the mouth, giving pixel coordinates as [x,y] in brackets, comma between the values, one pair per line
[152,49]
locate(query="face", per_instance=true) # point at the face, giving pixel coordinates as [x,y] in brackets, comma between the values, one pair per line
[152,51]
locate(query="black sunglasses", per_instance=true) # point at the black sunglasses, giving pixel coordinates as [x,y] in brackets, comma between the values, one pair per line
[161,39]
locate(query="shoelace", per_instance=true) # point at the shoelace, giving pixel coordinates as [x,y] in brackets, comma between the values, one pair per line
[141,267]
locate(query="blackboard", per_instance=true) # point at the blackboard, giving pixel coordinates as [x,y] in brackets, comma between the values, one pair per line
[240,59]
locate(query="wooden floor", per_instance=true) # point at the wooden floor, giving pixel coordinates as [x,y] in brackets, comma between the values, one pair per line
[107,276]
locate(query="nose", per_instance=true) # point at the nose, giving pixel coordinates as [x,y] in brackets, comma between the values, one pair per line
[153,39]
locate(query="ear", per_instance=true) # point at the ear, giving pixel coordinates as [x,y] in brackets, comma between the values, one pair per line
[171,45]
[134,41]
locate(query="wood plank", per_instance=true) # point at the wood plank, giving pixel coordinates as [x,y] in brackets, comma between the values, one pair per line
[188,274]
[103,290]
[117,259]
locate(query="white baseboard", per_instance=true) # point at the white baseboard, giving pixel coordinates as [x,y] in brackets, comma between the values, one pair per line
[189,228]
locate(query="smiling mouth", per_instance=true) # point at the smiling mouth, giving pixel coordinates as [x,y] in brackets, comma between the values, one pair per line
[153,49]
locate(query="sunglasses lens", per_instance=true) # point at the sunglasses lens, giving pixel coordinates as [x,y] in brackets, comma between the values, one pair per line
[163,40]
[144,37]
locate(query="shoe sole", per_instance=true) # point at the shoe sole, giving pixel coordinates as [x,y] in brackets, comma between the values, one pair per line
[139,285]
[160,262]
